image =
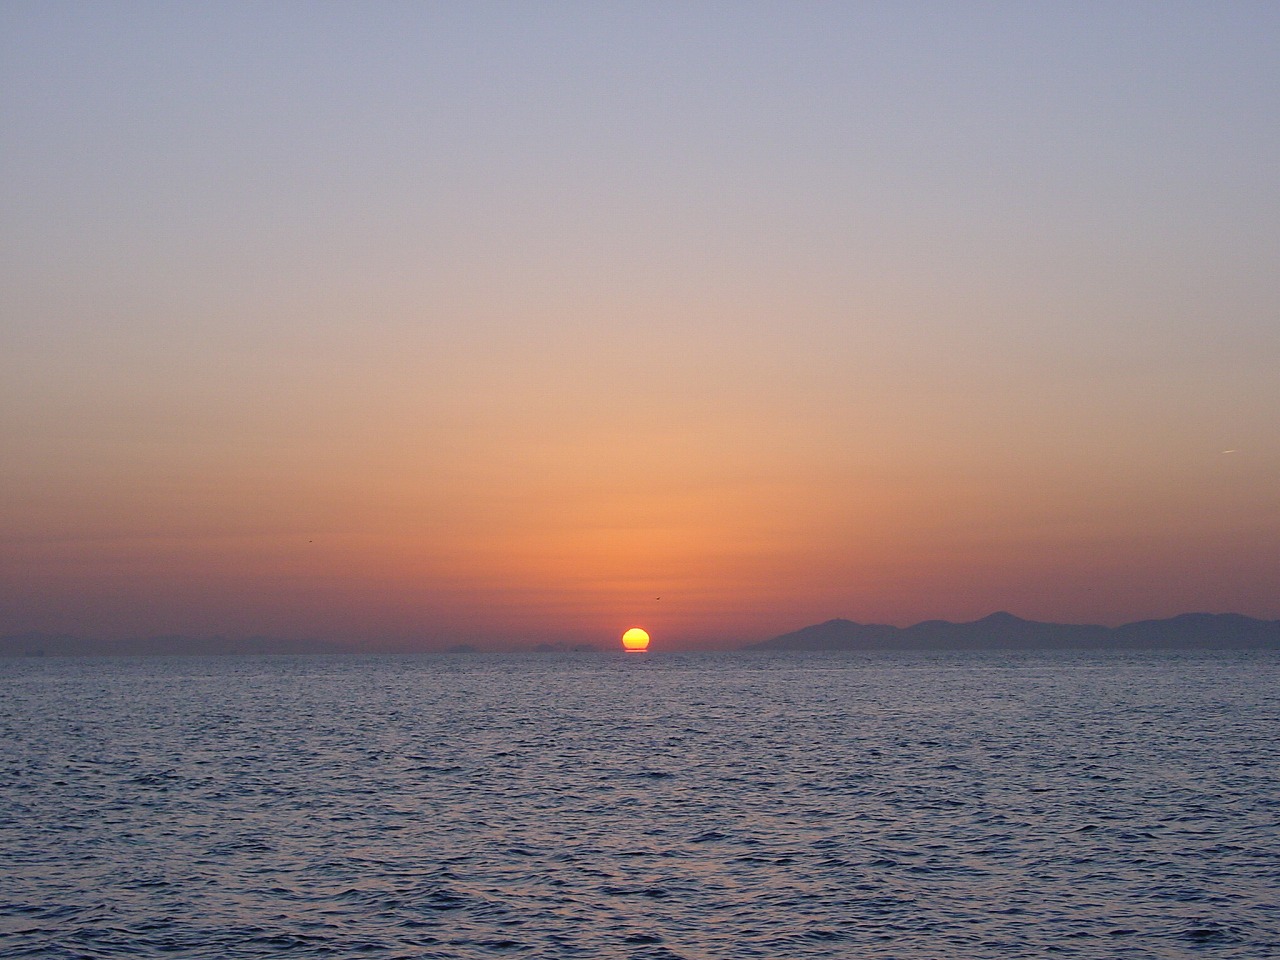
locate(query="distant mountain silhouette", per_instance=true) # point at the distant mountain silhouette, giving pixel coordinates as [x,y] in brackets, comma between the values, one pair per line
[35,644]
[62,645]
[1004,631]
[999,631]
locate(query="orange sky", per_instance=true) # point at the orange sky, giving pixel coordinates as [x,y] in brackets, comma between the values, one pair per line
[465,329]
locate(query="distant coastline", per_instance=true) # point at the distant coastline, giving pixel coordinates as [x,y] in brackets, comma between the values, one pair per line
[63,645]
[1004,631]
[999,631]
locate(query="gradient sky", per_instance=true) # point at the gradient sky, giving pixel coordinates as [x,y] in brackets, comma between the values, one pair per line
[425,323]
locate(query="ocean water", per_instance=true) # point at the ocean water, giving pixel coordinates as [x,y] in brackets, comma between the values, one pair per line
[652,806]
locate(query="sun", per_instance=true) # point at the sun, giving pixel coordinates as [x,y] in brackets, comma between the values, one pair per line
[635,640]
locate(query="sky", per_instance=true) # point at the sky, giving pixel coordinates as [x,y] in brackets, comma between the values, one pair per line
[416,324]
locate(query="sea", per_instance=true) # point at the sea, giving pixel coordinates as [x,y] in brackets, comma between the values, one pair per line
[648,806]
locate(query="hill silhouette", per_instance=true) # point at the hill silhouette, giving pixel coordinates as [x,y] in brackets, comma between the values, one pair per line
[63,645]
[1004,631]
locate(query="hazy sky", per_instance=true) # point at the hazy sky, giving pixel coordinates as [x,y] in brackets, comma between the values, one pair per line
[440,322]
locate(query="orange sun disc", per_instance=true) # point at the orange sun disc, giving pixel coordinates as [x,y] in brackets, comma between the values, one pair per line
[635,640]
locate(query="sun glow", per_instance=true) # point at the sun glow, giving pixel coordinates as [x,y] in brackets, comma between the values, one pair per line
[635,640]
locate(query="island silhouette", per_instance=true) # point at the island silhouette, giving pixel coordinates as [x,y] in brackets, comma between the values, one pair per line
[999,631]
[1004,631]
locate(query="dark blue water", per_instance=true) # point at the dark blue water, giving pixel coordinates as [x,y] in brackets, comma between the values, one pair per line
[652,806]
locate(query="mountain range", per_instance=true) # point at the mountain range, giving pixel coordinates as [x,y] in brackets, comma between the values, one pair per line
[1004,631]
[63,645]
[999,631]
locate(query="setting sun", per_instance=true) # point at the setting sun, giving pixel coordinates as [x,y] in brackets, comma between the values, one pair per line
[635,640]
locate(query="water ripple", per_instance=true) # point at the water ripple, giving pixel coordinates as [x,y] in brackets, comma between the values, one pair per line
[648,809]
